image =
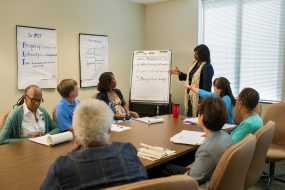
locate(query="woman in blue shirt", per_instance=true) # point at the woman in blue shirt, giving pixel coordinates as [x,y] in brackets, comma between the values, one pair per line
[222,89]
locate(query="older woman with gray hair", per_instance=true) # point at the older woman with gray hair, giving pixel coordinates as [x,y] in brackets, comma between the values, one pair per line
[96,162]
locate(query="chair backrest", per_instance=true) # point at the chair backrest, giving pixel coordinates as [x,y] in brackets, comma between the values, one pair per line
[232,168]
[276,113]
[165,183]
[3,118]
[264,138]
[258,109]
[54,115]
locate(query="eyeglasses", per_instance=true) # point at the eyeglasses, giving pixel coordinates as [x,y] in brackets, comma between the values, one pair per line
[35,100]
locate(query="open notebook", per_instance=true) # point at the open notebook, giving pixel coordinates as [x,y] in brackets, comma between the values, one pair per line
[51,140]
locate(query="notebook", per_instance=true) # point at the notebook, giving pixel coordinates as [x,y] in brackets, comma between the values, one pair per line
[51,140]
[188,137]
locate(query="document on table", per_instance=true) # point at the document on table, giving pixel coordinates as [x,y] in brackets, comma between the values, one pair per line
[191,120]
[194,120]
[188,137]
[119,128]
[150,120]
[50,140]
[229,126]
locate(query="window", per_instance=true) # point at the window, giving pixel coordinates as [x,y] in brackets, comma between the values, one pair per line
[247,43]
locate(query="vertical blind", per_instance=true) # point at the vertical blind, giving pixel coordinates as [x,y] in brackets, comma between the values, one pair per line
[247,43]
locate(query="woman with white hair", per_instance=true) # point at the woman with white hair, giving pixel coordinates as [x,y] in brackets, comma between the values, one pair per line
[96,162]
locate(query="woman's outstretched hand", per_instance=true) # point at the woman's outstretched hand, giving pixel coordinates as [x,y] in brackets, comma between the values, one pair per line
[193,88]
[175,71]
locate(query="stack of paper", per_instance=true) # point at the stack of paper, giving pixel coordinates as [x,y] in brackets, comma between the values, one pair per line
[150,120]
[119,128]
[51,140]
[154,152]
[188,137]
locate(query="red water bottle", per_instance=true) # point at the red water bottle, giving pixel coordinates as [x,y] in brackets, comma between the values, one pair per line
[175,110]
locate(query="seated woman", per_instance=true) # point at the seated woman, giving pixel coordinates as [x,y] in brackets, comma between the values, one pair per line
[222,89]
[245,114]
[113,96]
[27,119]
[211,117]
[95,163]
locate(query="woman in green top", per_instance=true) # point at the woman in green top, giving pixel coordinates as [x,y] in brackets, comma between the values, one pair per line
[249,121]
[27,119]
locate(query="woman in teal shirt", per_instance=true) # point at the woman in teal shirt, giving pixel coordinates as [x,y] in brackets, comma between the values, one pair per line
[249,121]
[222,89]
[27,119]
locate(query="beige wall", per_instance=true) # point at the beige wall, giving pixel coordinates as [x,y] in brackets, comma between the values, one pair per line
[121,20]
[173,24]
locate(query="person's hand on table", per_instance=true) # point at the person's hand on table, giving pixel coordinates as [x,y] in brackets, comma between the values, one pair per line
[175,71]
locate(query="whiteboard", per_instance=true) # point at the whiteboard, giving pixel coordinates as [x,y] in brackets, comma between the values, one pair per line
[37,57]
[150,80]
[93,58]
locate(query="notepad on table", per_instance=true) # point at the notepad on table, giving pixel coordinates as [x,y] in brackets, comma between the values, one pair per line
[188,137]
[150,120]
[119,128]
[51,140]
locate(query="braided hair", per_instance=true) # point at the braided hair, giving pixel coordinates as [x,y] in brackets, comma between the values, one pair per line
[22,99]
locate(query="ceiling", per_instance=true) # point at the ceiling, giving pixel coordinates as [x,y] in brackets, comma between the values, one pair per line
[148,1]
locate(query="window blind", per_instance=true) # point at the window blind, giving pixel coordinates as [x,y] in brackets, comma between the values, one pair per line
[247,43]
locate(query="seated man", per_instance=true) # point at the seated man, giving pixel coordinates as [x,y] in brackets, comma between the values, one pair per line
[249,121]
[64,110]
[27,119]
[113,97]
[96,162]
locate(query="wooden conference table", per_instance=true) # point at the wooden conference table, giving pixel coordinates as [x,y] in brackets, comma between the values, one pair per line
[24,165]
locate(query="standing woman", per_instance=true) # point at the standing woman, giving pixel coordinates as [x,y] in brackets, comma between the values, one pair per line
[200,75]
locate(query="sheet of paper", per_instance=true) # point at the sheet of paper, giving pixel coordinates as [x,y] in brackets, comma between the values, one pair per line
[51,140]
[93,58]
[37,57]
[150,73]
[119,128]
[150,120]
[191,120]
[229,126]
[41,140]
[188,137]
